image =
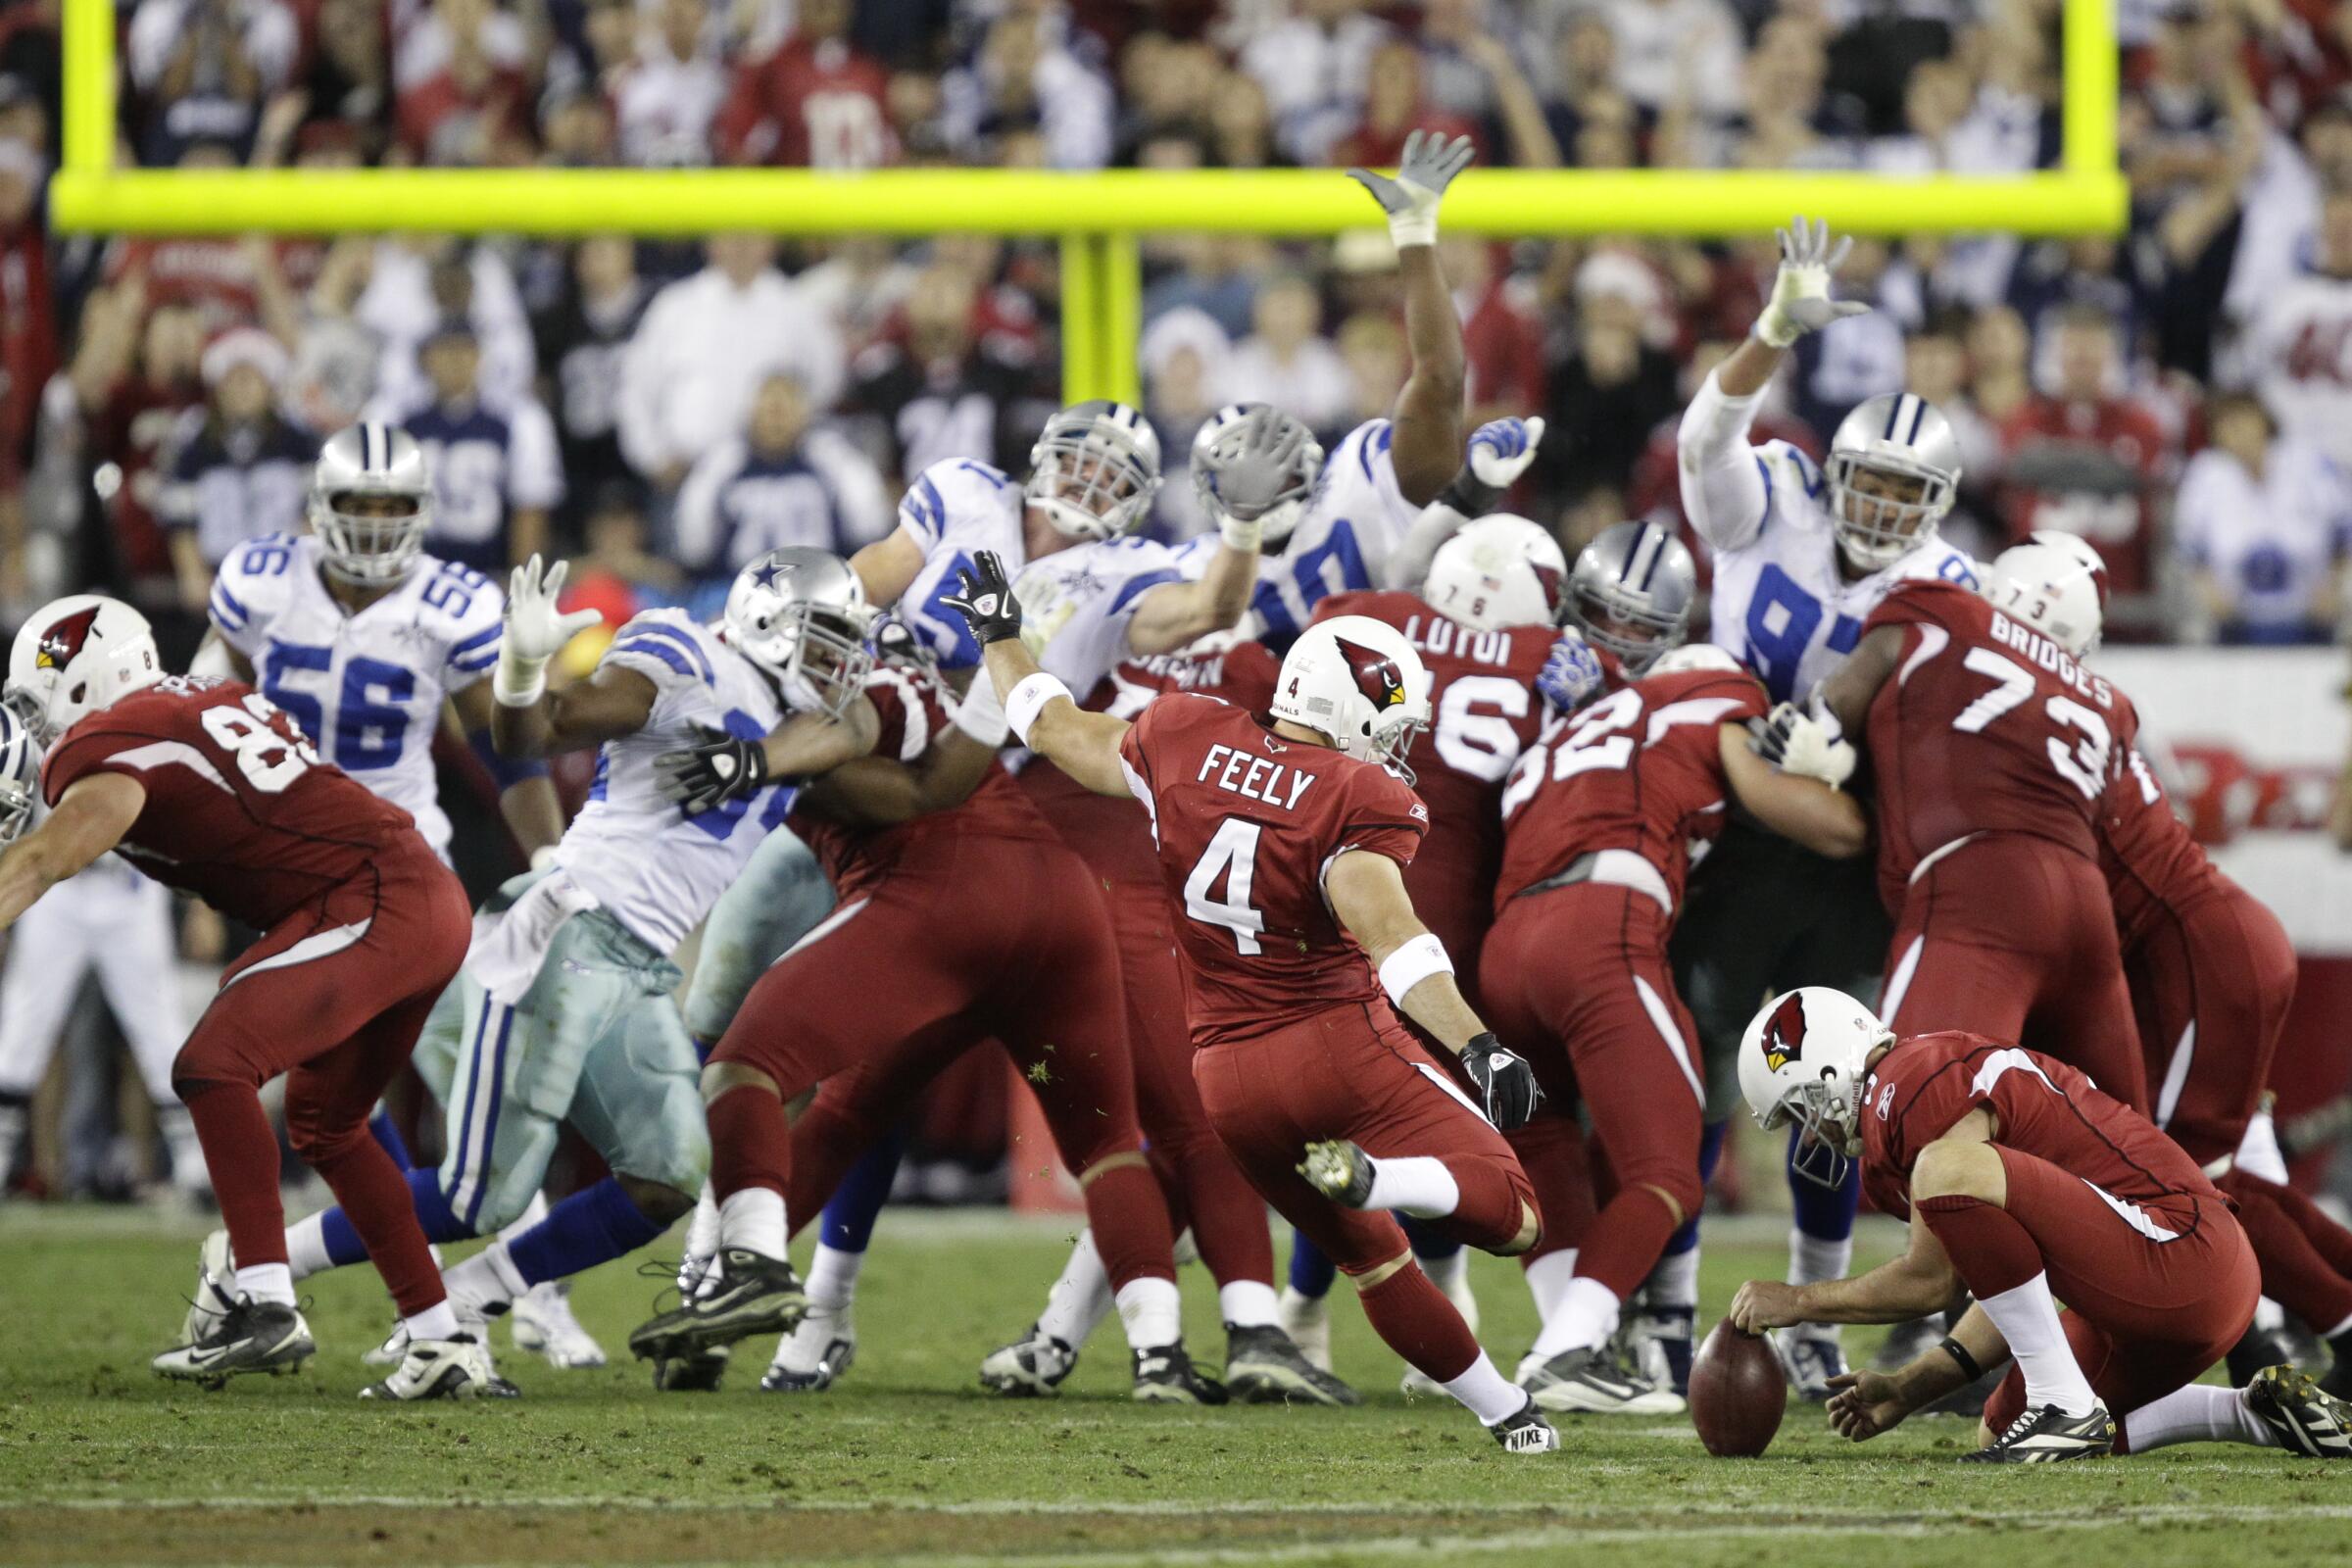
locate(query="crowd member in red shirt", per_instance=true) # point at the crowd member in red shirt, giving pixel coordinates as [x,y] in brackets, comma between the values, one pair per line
[1393,109]
[818,102]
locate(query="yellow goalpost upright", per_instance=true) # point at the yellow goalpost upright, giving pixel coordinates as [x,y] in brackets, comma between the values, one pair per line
[1097,217]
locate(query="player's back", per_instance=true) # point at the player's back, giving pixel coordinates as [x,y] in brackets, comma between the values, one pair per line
[2043,1108]
[240,810]
[2153,862]
[1639,770]
[1246,823]
[1985,726]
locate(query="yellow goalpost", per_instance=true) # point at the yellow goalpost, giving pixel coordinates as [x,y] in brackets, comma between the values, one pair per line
[1097,217]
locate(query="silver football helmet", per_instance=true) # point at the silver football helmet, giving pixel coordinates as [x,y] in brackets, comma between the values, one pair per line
[372,501]
[20,771]
[800,614]
[1095,470]
[1220,439]
[1631,593]
[1894,472]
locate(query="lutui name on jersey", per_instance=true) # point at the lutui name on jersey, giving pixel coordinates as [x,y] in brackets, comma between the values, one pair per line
[1260,780]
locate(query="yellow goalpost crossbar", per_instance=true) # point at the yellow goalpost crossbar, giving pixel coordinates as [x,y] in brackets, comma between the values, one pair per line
[1097,216]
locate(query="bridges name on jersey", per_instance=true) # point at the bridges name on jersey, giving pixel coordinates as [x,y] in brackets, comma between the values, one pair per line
[652,867]
[365,687]
[1354,518]
[1780,604]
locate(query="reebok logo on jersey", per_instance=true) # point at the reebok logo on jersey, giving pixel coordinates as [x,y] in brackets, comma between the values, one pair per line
[1784,1033]
[62,641]
[1376,673]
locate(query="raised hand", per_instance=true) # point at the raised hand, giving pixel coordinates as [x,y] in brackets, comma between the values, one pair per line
[1800,299]
[1254,468]
[534,632]
[1411,199]
[1500,451]
[985,600]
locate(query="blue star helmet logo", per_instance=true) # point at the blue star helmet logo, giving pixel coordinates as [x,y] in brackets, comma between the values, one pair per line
[766,575]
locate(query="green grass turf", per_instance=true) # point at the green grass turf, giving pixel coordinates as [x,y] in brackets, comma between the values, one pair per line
[100,1462]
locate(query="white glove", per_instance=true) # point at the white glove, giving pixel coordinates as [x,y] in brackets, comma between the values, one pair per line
[1411,199]
[534,633]
[1800,299]
[1500,451]
[1809,745]
[980,715]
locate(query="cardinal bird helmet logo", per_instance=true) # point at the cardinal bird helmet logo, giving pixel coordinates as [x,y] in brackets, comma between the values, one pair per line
[62,642]
[1376,674]
[1784,1033]
[1554,586]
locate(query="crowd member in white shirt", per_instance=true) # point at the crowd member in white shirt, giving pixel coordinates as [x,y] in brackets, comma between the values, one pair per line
[1285,361]
[2263,520]
[705,345]
[1315,68]
[667,97]
[2296,355]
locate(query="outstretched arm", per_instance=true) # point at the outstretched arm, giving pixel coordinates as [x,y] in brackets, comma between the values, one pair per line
[1254,468]
[89,821]
[1428,441]
[1039,707]
[1500,451]
[529,720]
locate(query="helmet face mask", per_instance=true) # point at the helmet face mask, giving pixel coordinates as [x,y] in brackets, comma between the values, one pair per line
[370,503]
[1631,592]
[1095,471]
[1893,472]
[800,615]
[1221,439]
[20,769]
[1804,1061]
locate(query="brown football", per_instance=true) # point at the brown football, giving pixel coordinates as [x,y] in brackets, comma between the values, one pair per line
[1737,1392]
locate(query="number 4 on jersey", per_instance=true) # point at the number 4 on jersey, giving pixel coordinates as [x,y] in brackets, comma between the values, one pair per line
[1232,856]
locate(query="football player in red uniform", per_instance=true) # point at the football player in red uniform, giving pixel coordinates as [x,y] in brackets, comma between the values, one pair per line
[2023,1180]
[1992,748]
[207,787]
[1597,819]
[1283,842]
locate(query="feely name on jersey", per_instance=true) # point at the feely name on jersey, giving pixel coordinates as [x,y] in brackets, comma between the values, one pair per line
[1255,777]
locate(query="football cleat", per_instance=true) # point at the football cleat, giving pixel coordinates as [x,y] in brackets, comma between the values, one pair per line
[1339,1171]
[455,1368]
[2307,1419]
[393,1349]
[1594,1380]
[1658,1345]
[1811,1359]
[698,1373]
[747,1293]
[814,1355]
[1527,1431]
[542,1321]
[1165,1375]
[2050,1436]
[1307,1320]
[216,1288]
[250,1336]
[1906,1343]
[1263,1367]
[1030,1367]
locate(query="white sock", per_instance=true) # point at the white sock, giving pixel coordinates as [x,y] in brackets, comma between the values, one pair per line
[1246,1305]
[702,1230]
[2337,1332]
[305,1247]
[1586,1317]
[1674,1283]
[1080,1298]
[2198,1413]
[532,1214]
[752,1221]
[1302,1308]
[2028,1319]
[833,1276]
[267,1282]
[438,1321]
[2268,1315]
[1152,1312]
[1420,1185]
[485,1280]
[1813,1259]
[1447,1273]
[2259,1154]
[1548,1280]
[1490,1397]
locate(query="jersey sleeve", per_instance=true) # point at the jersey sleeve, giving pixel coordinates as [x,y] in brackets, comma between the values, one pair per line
[1363,462]
[1150,734]
[1379,813]
[250,590]
[923,509]
[910,718]
[467,613]
[88,749]
[661,646]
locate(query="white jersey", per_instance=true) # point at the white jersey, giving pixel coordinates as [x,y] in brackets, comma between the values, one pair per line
[365,687]
[1354,520]
[2296,353]
[954,509]
[1782,606]
[1076,603]
[652,867]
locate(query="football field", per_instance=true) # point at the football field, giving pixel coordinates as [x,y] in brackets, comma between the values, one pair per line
[908,1461]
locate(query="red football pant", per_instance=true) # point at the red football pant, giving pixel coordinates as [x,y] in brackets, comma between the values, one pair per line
[2013,937]
[2210,988]
[1575,980]
[2306,1257]
[1453,895]
[333,996]
[2155,1293]
[965,938]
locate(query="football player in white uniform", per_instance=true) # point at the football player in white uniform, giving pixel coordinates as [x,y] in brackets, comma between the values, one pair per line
[565,1004]
[1801,557]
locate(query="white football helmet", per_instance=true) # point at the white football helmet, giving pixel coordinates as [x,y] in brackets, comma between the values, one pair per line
[1803,1060]
[75,656]
[1498,571]
[800,614]
[1222,435]
[383,466]
[2056,583]
[1358,681]
[19,772]
[1095,470]
[1907,447]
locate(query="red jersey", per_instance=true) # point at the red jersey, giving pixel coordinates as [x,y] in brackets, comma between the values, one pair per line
[239,812]
[2042,1108]
[1246,823]
[2151,861]
[1639,769]
[817,104]
[2120,527]
[1484,714]
[1985,726]
[1115,836]
[914,710]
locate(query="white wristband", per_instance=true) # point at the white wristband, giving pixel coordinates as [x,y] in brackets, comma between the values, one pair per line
[1029,699]
[1413,228]
[1411,964]
[980,715]
[1237,534]
[519,682]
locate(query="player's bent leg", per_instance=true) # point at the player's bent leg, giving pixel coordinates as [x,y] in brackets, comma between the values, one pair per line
[780,896]
[2304,1257]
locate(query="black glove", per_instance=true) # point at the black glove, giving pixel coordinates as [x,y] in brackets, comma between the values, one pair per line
[986,603]
[1505,1082]
[722,768]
